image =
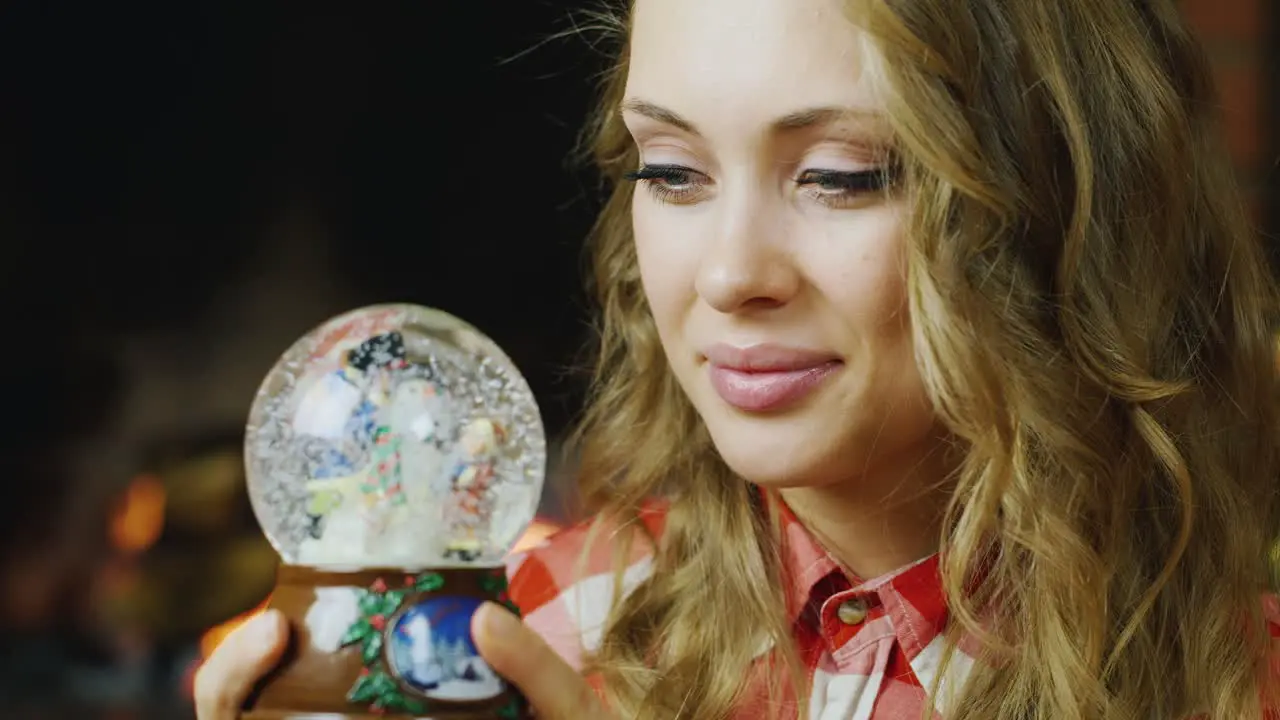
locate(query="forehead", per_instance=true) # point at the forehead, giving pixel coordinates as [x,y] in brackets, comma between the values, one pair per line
[748,59]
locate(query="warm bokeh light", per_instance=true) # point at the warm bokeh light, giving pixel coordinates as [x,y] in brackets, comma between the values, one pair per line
[138,519]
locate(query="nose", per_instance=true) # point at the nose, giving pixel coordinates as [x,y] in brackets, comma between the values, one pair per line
[745,264]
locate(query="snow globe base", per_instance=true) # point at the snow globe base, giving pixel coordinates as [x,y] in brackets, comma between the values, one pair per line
[385,643]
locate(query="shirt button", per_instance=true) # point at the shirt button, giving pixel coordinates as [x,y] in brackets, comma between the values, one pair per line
[852,612]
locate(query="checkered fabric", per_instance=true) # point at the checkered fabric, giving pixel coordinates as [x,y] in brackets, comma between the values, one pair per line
[872,647]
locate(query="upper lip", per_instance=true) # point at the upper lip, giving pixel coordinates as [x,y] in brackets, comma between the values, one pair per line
[767,357]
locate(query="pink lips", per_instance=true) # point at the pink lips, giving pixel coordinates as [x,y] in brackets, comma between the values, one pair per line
[764,378]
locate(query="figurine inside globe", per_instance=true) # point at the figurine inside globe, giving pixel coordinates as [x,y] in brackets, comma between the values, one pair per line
[394,436]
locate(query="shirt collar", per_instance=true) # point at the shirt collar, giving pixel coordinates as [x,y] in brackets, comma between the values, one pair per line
[917,586]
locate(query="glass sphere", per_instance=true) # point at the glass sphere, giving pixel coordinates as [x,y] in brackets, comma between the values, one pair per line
[394,436]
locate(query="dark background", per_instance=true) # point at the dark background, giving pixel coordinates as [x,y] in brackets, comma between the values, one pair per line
[187,187]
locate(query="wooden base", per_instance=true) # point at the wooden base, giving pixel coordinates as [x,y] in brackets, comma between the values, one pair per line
[383,638]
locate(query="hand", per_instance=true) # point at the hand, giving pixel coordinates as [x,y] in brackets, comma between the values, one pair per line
[554,690]
[228,676]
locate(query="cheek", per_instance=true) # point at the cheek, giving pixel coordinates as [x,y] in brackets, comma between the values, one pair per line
[666,254]
[864,281]
[866,289]
[871,299]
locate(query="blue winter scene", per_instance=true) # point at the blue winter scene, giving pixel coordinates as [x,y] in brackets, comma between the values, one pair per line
[431,649]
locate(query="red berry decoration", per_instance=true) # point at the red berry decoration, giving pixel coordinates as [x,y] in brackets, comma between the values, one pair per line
[378,586]
[378,622]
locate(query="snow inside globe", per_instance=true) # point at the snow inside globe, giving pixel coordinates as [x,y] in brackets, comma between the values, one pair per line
[394,436]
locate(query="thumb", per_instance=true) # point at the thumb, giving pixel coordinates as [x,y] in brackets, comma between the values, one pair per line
[248,653]
[555,690]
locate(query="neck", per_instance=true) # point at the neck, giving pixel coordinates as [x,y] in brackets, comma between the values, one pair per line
[884,518]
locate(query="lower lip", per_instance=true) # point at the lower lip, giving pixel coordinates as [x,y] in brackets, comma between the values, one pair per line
[767,391]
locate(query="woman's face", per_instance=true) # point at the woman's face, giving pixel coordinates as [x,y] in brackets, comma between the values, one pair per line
[773,264]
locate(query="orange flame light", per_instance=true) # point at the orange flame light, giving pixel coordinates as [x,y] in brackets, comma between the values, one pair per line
[138,520]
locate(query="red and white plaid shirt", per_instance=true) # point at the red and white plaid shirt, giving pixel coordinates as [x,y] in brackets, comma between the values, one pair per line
[872,647]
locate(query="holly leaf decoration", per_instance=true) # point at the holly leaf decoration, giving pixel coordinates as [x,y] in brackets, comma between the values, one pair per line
[363,691]
[372,648]
[376,688]
[496,585]
[370,603]
[382,694]
[359,630]
[375,606]
[429,582]
[391,601]
[493,584]
[400,703]
[385,685]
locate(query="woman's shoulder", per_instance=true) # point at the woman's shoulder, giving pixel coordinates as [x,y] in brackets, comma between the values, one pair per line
[564,586]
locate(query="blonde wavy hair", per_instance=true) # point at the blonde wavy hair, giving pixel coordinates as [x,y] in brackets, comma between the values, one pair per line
[1092,316]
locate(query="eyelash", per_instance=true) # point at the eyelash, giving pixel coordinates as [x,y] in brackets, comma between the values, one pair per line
[833,188]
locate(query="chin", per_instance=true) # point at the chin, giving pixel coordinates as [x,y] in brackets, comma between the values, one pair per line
[816,447]
[780,453]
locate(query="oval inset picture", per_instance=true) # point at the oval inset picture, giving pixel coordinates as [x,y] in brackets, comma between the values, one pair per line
[429,648]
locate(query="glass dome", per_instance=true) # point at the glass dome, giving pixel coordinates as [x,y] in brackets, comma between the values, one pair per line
[394,436]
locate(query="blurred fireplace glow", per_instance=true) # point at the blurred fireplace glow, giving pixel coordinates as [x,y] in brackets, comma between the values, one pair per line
[138,519]
[538,531]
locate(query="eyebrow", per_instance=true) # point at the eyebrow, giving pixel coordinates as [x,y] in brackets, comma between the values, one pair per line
[799,120]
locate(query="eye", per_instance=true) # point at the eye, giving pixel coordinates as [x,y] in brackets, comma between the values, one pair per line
[840,189]
[670,183]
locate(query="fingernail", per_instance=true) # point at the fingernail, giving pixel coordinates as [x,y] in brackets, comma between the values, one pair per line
[498,621]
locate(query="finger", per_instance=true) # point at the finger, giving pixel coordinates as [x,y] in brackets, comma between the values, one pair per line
[248,653]
[555,690]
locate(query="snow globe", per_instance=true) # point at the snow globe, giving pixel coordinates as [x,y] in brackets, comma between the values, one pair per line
[394,455]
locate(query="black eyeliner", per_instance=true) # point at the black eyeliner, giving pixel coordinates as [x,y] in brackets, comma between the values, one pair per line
[670,173]
[859,181]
